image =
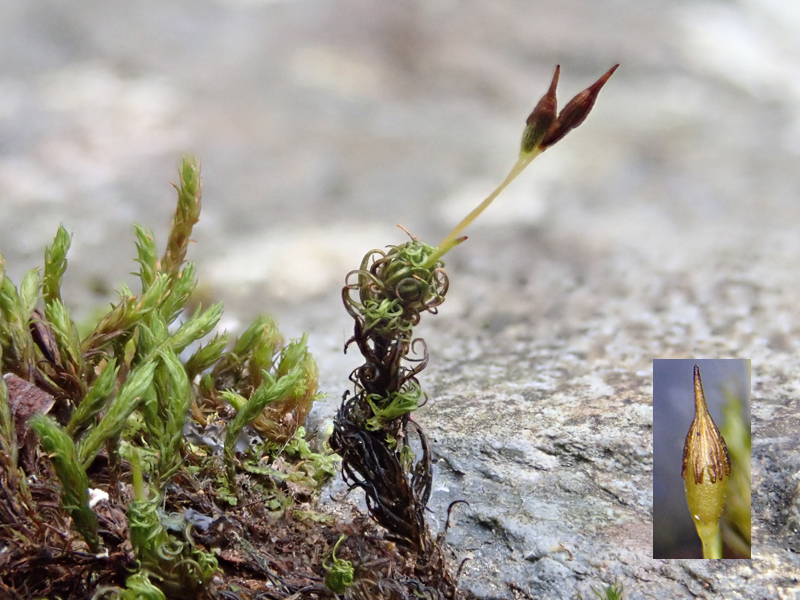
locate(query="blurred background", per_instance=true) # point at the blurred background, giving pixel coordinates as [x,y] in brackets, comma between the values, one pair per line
[323,123]
[666,226]
[674,533]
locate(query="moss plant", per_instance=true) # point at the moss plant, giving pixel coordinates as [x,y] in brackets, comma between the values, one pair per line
[74,482]
[248,410]
[340,572]
[118,402]
[384,452]
[610,592]
[706,471]
[139,409]
[179,569]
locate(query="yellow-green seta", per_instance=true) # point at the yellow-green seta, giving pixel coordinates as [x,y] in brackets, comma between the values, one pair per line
[706,470]
[543,129]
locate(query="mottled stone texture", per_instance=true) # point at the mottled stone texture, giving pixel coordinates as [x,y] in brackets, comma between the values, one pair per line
[666,226]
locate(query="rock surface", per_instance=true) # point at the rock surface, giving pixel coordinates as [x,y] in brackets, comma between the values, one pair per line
[665,227]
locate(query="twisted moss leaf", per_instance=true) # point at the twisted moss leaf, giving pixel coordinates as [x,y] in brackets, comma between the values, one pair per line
[406,273]
[74,481]
[384,316]
[340,572]
[396,405]
[139,587]
[181,570]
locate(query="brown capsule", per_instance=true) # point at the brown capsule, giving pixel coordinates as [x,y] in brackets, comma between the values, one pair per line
[576,111]
[542,117]
[705,451]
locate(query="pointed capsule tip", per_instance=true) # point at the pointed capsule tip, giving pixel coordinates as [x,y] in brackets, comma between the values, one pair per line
[554,83]
[699,394]
[597,85]
[544,113]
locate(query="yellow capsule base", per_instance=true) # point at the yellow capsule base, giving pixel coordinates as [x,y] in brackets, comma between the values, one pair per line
[706,501]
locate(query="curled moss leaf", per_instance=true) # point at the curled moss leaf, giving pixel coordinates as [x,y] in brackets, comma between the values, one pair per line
[340,572]
[180,569]
[139,587]
[394,288]
[396,405]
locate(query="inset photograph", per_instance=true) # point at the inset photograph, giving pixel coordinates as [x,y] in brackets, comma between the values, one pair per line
[701,458]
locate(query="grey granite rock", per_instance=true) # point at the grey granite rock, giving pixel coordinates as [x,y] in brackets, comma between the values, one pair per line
[665,227]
